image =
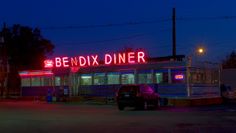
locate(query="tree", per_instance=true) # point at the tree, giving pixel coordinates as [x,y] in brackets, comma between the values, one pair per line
[25,49]
[230,61]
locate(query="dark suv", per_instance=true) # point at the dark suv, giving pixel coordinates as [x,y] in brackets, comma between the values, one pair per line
[138,96]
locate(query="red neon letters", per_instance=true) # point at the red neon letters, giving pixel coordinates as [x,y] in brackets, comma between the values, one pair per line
[125,58]
[83,61]
[48,64]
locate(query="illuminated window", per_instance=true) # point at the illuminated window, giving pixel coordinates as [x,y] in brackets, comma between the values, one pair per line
[144,78]
[127,78]
[99,78]
[46,81]
[35,81]
[161,77]
[57,81]
[25,82]
[113,78]
[86,79]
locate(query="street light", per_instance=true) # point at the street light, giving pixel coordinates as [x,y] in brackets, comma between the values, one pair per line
[201,50]
[198,52]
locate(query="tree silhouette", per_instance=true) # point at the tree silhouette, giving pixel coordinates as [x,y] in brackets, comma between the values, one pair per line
[25,49]
[230,61]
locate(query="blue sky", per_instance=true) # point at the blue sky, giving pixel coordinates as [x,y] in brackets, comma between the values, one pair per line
[217,35]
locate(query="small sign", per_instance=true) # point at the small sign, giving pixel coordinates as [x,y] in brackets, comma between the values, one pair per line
[179,76]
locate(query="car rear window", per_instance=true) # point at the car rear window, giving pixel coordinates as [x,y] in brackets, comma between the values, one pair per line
[133,89]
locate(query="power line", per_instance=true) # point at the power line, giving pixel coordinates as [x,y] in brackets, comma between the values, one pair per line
[134,23]
[115,39]
[206,18]
[131,23]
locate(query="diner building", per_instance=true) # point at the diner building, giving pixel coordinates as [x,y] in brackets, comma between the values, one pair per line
[90,76]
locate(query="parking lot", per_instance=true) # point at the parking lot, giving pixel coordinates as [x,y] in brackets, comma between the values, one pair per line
[40,117]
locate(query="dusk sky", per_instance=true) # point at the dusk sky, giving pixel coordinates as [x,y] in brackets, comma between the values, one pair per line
[85,27]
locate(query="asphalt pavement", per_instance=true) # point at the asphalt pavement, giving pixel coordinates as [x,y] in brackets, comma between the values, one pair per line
[42,117]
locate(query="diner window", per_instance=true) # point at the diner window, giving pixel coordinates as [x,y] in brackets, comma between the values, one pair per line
[127,78]
[86,79]
[46,81]
[161,77]
[57,81]
[113,78]
[25,82]
[35,81]
[198,78]
[144,78]
[99,78]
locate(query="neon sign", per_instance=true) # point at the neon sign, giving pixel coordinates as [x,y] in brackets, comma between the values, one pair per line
[35,73]
[48,64]
[92,60]
[179,76]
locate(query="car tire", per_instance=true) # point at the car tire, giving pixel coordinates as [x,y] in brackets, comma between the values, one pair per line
[158,104]
[145,105]
[120,107]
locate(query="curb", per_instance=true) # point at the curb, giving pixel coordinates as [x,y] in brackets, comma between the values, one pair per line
[194,102]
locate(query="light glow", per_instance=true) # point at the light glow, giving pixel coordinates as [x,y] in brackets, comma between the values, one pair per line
[121,58]
[65,61]
[58,61]
[141,57]
[74,69]
[131,57]
[48,64]
[108,59]
[82,61]
[179,76]
[74,61]
[95,60]
[35,73]
[92,60]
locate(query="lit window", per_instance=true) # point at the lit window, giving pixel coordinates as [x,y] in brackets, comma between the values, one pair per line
[161,77]
[86,79]
[144,78]
[25,82]
[99,78]
[46,81]
[127,78]
[113,78]
[35,81]
[57,81]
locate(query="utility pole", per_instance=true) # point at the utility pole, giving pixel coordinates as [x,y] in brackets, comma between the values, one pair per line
[4,63]
[1,65]
[173,34]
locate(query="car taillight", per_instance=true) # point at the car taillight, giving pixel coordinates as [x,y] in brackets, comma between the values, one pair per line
[138,94]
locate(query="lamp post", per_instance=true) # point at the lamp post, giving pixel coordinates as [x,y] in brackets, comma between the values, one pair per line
[199,52]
